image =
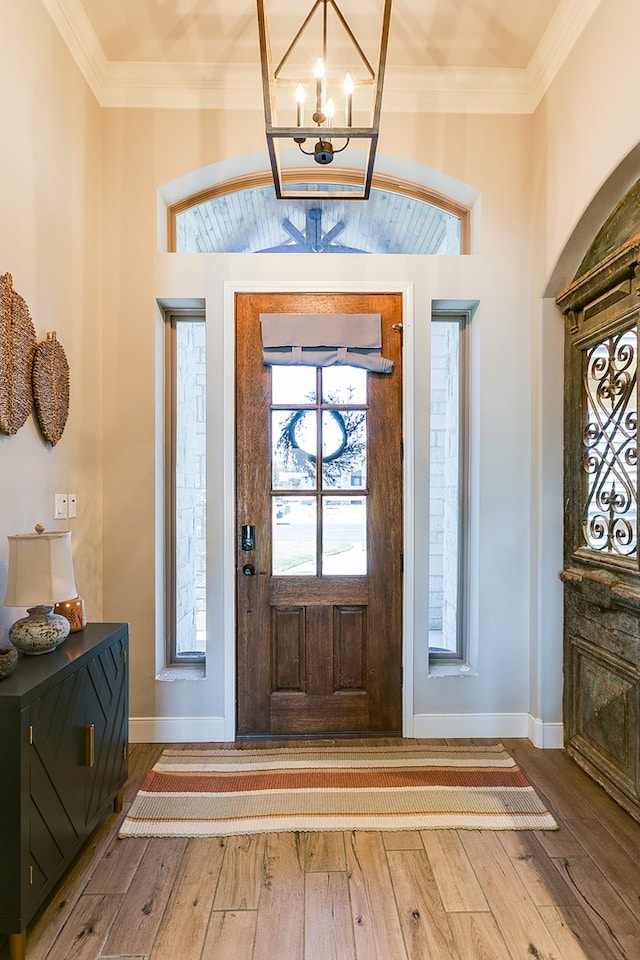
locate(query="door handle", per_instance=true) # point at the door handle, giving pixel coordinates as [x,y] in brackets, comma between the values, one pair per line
[249,570]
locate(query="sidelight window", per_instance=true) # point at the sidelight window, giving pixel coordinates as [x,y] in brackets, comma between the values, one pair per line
[447,487]
[185,446]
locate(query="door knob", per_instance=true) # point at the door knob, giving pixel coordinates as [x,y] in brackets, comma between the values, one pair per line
[248,569]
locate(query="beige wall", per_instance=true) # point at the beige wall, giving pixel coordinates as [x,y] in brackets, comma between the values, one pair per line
[79,233]
[50,241]
[583,130]
[143,150]
[585,155]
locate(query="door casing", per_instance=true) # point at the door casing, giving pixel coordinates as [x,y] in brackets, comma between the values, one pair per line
[231,288]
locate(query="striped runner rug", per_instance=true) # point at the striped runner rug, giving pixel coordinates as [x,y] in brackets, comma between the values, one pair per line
[215,793]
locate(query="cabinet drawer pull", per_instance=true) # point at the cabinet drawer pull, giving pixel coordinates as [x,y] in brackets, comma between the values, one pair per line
[90,744]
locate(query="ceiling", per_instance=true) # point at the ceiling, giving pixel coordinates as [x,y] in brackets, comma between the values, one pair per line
[444,55]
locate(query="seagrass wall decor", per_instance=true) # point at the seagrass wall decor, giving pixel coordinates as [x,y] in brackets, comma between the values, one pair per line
[17,346]
[51,387]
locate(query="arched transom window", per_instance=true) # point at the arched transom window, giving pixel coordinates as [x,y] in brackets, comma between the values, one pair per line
[244,216]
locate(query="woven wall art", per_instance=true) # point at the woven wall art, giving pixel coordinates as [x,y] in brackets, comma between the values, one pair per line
[17,347]
[51,387]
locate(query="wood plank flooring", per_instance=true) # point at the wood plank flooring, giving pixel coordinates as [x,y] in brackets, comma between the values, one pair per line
[571,894]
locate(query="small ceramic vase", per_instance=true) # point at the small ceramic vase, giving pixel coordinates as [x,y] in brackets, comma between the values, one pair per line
[8,660]
[73,611]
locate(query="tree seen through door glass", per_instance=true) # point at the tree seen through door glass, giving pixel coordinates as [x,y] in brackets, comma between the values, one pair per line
[291,466]
[344,384]
[320,534]
[344,449]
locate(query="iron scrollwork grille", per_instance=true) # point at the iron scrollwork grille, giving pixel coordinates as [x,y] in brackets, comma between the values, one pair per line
[609,446]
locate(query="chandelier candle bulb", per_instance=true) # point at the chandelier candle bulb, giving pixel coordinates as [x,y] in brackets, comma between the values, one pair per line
[300,105]
[329,111]
[319,85]
[348,101]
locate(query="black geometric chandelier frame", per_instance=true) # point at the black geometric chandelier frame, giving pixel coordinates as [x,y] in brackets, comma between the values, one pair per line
[339,130]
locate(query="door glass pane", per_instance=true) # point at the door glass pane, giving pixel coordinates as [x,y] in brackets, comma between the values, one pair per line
[444,490]
[293,385]
[344,536]
[293,437]
[188,633]
[344,449]
[610,437]
[344,384]
[293,537]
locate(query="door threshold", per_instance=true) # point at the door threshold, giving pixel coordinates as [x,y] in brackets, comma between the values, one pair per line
[317,737]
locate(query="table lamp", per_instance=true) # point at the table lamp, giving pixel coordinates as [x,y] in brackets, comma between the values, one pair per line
[40,574]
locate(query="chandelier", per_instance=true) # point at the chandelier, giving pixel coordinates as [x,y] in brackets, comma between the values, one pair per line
[322,100]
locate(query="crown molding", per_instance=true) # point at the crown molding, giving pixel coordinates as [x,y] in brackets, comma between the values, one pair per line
[77,32]
[238,86]
[561,35]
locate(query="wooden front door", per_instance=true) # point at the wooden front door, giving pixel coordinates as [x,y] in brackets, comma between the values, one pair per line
[319,488]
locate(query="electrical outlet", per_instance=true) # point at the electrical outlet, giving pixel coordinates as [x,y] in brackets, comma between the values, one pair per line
[72,505]
[60,506]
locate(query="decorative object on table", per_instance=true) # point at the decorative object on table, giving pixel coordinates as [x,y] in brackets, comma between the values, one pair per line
[51,387]
[40,574]
[73,611]
[218,793]
[8,660]
[17,346]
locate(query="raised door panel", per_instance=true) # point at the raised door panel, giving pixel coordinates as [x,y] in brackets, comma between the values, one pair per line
[604,713]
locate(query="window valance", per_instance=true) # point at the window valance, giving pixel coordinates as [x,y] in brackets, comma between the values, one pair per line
[324,339]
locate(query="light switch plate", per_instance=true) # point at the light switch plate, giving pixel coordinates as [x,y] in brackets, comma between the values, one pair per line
[72,505]
[60,506]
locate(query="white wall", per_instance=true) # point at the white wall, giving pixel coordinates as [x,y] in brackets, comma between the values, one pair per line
[50,241]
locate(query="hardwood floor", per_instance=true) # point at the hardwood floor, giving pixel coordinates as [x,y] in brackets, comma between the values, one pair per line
[571,894]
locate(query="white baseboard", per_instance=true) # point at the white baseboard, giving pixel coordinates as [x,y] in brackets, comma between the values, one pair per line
[177,729]
[546,736]
[488,725]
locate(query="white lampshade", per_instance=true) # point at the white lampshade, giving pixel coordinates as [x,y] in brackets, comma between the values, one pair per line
[40,569]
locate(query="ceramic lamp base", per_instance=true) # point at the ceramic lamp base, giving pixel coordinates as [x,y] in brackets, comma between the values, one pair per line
[41,632]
